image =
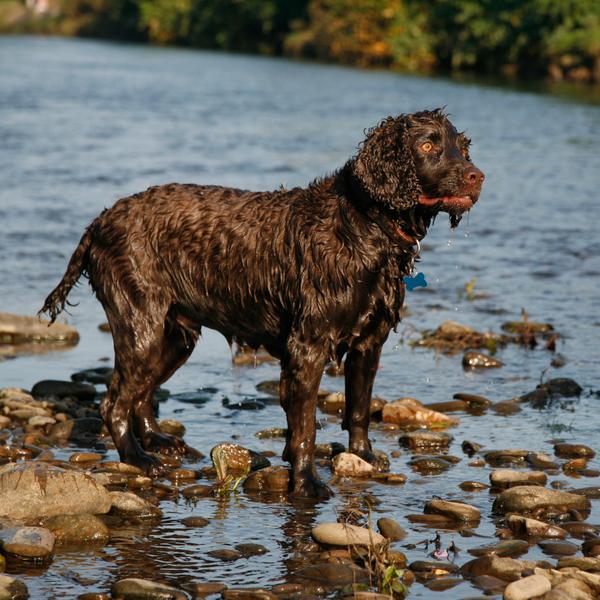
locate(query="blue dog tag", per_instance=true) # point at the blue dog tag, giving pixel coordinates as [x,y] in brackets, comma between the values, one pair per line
[414,282]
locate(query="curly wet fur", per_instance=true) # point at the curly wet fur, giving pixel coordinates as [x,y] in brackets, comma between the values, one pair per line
[306,273]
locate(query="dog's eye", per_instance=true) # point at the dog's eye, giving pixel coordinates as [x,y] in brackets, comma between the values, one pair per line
[427,147]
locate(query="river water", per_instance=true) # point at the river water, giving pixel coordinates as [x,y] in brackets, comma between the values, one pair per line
[86,122]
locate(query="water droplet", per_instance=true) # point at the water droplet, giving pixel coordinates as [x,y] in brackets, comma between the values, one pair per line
[449,243]
[255,357]
[467,232]
[456,308]
[438,279]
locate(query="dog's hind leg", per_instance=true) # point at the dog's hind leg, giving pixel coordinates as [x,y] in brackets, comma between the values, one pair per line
[360,369]
[146,354]
[301,373]
[180,339]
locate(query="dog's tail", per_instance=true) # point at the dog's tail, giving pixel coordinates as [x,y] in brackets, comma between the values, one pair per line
[55,302]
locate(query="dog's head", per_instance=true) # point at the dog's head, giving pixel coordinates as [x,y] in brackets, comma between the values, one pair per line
[419,162]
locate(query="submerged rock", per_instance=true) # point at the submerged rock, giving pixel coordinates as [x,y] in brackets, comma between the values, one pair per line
[77,529]
[63,389]
[141,589]
[37,489]
[420,439]
[562,386]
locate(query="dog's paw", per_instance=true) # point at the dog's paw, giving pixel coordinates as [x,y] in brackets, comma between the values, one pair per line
[150,465]
[169,445]
[313,488]
[372,459]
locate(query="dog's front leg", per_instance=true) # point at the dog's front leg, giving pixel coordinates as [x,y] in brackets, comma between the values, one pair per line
[360,369]
[301,370]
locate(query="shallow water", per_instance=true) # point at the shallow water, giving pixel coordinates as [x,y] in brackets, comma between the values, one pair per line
[85,122]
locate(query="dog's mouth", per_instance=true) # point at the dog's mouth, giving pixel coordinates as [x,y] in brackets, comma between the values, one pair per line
[451,204]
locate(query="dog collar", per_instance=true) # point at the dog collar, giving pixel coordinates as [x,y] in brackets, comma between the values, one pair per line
[391,228]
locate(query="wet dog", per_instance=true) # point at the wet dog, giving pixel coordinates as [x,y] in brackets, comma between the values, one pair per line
[313,275]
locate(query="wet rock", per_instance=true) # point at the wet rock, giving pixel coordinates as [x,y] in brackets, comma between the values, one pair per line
[505,408]
[504,568]
[533,527]
[432,566]
[398,411]
[94,376]
[565,450]
[478,360]
[500,548]
[329,450]
[239,458]
[351,464]
[195,522]
[449,406]
[528,587]
[425,439]
[248,594]
[558,547]
[63,389]
[562,386]
[586,563]
[578,528]
[526,327]
[36,489]
[538,398]
[474,401]
[141,589]
[197,491]
[118,467]
[270,479]
[77,529]
[171,427]
[85,457]
[12,589]
[429,463]
[410,425]
[524,499]
[432,520]
[226,554]
[206,588]
[250,404]
[390,529]
[473,486]
[251,549]
[542,461]
[333,403]
[273,432]
[27,542]
[470,448]
[16,329]
[344,534]
[87,428]
[455,510]
[506,477]
[333,573]
[127,504]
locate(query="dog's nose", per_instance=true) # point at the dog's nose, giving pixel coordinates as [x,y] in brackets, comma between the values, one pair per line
[473,176]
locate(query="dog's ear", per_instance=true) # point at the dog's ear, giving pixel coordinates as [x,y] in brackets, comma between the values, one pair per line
[385,167]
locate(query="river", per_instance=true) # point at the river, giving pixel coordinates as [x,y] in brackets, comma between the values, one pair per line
[84,123]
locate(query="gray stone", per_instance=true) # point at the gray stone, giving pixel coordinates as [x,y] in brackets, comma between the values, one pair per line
[127,504]
[36,489]
[525,499]
[504,477]
[17,328]
[12,589]
[528,587]
[141,589]
[27,542]
[344,534]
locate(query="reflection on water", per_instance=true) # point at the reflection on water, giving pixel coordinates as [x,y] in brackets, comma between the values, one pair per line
[87,122]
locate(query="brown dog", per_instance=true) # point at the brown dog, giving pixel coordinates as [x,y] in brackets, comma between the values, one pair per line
[311,274]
